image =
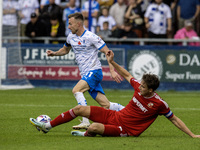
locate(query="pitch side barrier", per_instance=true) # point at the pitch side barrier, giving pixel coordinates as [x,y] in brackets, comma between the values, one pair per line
[178,67]
[140,41]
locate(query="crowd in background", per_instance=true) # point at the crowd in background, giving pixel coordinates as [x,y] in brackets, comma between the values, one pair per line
[179,19]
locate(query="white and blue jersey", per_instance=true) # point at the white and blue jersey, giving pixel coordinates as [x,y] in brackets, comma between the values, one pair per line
[158,15]
[86,48]
[46,2]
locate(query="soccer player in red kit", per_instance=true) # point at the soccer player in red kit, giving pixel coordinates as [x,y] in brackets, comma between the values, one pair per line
[134,119]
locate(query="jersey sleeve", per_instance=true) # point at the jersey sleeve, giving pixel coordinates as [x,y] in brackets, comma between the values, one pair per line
[135,83]
[83,8]
[37,5]
[96,7]
[113,22]
[67,43]
[165,110]
[97,41]
[169,14]
[147,13]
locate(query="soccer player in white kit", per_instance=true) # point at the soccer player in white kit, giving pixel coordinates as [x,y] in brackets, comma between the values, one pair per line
[86,46]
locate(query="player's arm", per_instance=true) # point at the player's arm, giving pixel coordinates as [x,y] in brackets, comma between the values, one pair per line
[123,72]
[62,51]
[181,125]
[114,74]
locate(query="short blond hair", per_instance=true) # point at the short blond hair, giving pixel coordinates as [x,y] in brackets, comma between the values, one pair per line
[77,16]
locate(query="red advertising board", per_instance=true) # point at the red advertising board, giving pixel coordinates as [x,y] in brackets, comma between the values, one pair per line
[50,72]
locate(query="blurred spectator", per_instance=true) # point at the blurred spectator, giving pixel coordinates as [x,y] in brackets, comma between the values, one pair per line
[158,20]
[65,3]
[144,4]
[67,11]
[9,27]
[198,24]
[86,25]
[134,15]
[105,3]
[117,11]
[187,10]
[105,32]
[56,28]
[127,32]
[95,11]
[187,32]
[46,2]
[51,9]
[106,17]
[173,7]
[26,7]
[35,28]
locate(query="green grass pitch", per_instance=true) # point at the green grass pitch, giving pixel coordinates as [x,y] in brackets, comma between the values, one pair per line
[16,132]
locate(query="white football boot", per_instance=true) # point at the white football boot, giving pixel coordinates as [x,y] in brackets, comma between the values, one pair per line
[77,133]
[82,125]
[39,125]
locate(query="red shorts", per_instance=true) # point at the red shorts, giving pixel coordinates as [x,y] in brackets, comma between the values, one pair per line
[107,117]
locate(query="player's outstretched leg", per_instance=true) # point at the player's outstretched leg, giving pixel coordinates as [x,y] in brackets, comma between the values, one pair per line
[116,106]
[104,102]
[65,117]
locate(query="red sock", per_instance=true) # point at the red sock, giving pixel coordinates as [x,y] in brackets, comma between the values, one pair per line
[88,134]
[63,118]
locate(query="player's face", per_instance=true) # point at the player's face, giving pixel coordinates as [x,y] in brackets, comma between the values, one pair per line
[144,90]
[73,25]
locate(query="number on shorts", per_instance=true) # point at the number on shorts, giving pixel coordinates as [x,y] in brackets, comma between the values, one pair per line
[90,74]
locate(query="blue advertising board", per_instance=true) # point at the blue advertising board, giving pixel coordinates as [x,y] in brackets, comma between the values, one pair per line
[178,67]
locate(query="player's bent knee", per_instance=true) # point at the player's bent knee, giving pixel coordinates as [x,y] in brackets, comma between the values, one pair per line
[107,105]
[74,91]
[95,128]
[79,110]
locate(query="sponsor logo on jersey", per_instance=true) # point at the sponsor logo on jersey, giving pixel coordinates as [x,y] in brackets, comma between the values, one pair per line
[139,105]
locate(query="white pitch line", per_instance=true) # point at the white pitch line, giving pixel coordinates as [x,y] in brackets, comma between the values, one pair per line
[32,105]
[186,108]
[67,106]
[108,95]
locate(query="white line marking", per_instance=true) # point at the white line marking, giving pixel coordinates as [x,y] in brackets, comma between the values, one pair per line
[67,106]
[32,105]
[186,109]
[108,95]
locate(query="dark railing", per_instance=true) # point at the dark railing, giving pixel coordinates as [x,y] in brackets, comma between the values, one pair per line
[141,41]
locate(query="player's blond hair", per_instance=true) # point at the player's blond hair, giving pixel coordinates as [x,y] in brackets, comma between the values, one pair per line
[77,16]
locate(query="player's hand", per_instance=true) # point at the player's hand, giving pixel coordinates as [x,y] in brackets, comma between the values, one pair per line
[50,53]
[147,25]
[116,77]
[110,55]
[196,136]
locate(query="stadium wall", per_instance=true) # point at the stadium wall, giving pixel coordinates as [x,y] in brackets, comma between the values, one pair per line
[177,66]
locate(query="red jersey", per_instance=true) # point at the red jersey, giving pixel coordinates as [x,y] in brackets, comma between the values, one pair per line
[141,111]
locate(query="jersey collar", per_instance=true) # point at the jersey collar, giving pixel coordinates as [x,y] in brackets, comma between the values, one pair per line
[150,96]
[83,33]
